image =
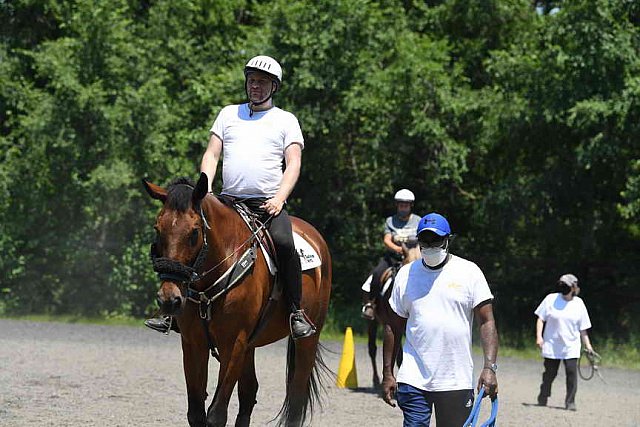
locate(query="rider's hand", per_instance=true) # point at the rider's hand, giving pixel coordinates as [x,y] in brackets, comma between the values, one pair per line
[489,381]
[389,388]
[273,206]
[398,250]
[539,341]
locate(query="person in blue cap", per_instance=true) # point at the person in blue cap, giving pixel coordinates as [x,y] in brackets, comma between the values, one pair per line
[434,301]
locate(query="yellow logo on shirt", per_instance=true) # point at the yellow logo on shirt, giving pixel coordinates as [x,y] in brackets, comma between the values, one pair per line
[454,285]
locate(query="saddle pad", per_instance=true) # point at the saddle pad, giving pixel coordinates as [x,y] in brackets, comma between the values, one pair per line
[309,258]
[366,286]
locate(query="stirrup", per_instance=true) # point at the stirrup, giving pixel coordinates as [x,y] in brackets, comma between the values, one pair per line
[293,317]
[364,314]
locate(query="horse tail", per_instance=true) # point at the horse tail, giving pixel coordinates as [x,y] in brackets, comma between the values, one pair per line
[297,407]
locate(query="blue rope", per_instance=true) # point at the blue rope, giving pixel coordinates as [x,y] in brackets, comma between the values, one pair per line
[472,421]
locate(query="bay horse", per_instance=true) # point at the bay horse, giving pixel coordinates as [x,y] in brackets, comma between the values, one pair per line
[196,232]
[382,311]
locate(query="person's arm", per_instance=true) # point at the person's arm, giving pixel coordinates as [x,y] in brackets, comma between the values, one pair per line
[539,327]
[585,340]
[210,158]
[483,313]
[388,242]
[390,347]
[293,159]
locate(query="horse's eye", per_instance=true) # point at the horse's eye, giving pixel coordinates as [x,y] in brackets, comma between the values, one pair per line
[193,239]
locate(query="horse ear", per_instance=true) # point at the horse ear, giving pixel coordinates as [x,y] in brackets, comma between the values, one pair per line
[201,188]
[155,191]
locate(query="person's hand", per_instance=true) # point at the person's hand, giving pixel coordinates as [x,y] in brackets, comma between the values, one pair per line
[273,206]
[389,388]
[489,381]
[539,342]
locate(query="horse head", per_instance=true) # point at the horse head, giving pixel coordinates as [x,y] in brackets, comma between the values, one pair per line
[411,253]
[180,244]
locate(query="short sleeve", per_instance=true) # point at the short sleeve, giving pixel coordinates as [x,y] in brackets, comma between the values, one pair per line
[387,226]
[218,126]
[293,132]
[397,301]
[541,311]
[481,291]
[585,322]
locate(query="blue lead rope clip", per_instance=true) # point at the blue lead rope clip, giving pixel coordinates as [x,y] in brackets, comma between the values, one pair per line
[475,412]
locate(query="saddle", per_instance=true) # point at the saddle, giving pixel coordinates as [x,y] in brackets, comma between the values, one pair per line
[257,222]
[387,279]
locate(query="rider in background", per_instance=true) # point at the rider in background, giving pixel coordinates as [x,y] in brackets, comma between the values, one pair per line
[398,229]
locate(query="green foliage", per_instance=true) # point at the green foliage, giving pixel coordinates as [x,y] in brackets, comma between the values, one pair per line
[519,124]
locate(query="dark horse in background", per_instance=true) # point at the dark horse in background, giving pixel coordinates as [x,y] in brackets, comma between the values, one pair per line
[191,219]
[382,312]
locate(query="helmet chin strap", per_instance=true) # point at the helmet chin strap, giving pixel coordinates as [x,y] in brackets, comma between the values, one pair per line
[254,104]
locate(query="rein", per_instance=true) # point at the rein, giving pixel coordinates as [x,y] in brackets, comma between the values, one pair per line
[171,270]
[475,412]
[594,362]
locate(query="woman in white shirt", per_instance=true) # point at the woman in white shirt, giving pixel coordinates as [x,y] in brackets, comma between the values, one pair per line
[565,321]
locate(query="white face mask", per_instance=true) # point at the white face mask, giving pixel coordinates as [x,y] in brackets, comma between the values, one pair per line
[433,256]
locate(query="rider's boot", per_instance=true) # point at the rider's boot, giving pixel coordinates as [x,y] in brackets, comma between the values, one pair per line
[162,324]
[301,326]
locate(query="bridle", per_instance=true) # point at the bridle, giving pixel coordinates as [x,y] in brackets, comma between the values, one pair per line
[187,277]
[175,271]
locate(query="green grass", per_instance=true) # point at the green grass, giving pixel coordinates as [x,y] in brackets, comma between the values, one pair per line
[624,356]
[108,321]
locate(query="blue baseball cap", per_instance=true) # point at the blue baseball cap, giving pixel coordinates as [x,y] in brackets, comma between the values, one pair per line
[434,222]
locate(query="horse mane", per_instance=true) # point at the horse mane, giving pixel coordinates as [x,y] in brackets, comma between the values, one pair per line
[179,194]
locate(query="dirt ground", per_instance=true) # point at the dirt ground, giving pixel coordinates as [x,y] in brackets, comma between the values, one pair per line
[54,374]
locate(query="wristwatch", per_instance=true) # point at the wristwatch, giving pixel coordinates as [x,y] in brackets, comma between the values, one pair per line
[493,367]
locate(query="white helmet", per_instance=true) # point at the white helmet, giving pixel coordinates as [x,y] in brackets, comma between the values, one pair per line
[265,64]
[404,195]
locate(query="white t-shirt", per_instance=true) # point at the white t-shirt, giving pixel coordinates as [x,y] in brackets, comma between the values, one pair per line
[439,307]
[253,148]
[563,322]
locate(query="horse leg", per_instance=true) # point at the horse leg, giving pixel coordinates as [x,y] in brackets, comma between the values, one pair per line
[195,359]
[231,365]
[373,349]
[247,390]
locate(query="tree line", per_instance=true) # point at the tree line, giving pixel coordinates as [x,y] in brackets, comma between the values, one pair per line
[518,120]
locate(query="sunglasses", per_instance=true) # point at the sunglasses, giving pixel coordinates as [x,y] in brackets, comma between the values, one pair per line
[432,240]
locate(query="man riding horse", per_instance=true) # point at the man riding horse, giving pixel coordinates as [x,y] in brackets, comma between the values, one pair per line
[398,229]
[257,138]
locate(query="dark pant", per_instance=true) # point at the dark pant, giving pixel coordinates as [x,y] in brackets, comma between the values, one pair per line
[452,407]
[385,262]
[550,372]
[289,270]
